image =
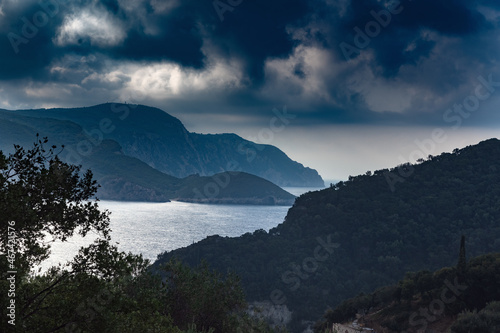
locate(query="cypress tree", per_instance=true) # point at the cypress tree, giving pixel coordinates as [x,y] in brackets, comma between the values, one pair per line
[462,262]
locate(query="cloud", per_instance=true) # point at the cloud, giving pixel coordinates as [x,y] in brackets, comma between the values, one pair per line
[95,27]
[421,59]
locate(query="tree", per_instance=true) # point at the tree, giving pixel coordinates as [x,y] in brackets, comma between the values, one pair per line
[101,289]
[462,261]
[41,197]
[487,320]
[203,297]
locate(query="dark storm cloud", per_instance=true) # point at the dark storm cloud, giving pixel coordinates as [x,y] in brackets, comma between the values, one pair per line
[451,17]
[399,28]
[257,30]
[252,32]
[82,41]
[174,36]
[25,49]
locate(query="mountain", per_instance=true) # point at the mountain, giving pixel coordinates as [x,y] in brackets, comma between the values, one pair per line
[162,141]
[447,300]
[363,233]
[123,177]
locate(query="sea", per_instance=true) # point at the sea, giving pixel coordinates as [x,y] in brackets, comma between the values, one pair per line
[153,228]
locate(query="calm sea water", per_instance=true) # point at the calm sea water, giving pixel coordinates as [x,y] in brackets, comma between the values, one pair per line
[152,228]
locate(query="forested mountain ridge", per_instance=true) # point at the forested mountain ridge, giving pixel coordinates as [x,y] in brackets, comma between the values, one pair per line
[365,233]
[162,141]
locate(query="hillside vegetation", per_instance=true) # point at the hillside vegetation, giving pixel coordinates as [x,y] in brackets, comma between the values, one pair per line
[450,299]
[365,233]
[101,289]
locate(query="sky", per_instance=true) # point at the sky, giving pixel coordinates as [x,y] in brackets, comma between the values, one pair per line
[341,86]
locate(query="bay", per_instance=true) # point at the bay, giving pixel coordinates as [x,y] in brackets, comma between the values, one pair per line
[152,228]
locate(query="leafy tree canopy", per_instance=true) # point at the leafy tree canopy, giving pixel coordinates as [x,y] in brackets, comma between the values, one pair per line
[384,223]
[102,289]
[42,197]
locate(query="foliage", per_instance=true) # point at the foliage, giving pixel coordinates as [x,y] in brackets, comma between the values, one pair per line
[203,297]
[485,321]
[101,289]
[382,234]
[478,289]
[462,260]
[42,196]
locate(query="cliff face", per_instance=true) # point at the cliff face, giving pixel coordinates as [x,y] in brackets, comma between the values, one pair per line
[266,161]
[163,142]
[123,176]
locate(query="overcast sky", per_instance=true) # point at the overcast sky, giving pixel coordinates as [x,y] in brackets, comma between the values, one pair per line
[357,85]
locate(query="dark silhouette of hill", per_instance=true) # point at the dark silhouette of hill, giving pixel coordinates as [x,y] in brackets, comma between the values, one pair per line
[162,141]
[365,233]
[124,177]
